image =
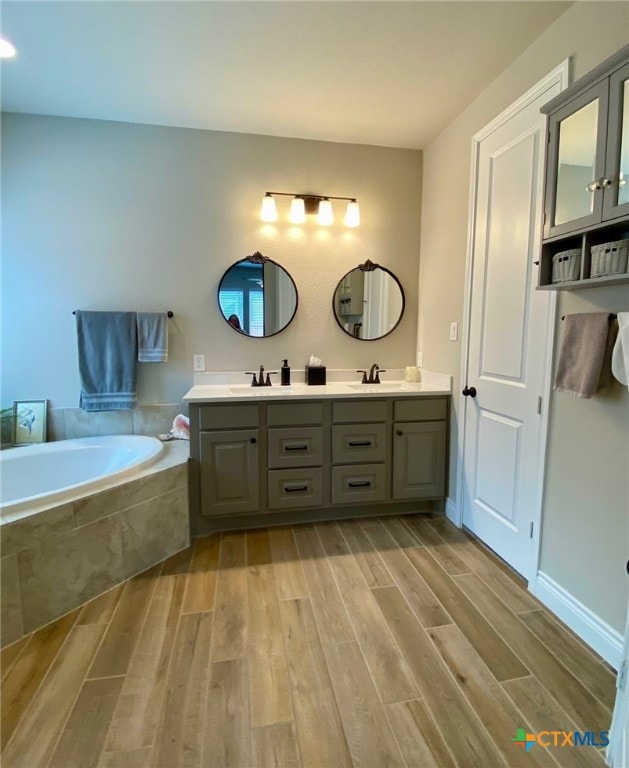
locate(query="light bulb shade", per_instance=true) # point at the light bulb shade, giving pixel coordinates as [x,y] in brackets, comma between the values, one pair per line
[7,49]
[352,214]
[325,215]
[297,211]
[268,212]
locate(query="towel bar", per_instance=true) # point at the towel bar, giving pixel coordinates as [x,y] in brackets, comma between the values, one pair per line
[169,313]
[612,316]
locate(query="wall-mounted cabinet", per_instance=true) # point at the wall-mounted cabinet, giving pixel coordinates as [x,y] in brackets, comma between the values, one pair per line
[586,213]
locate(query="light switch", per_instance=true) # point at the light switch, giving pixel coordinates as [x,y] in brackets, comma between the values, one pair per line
[454,331]
[198,362]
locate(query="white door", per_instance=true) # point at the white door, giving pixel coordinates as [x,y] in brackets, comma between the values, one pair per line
[618,750]
[509,335]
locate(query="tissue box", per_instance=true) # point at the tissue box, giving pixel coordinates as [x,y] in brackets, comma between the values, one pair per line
[315,375]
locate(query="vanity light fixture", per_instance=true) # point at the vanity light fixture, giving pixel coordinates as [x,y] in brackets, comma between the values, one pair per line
[302,204]
[297,210]
[268,212]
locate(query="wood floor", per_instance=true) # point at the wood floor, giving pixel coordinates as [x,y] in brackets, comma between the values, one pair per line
[397,642]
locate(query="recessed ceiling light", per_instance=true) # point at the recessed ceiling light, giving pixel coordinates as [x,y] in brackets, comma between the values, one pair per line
[7,49]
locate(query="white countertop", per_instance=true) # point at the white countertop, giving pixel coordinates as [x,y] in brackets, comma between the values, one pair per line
[223,393]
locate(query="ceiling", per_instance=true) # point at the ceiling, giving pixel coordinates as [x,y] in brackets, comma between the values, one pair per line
[387,73]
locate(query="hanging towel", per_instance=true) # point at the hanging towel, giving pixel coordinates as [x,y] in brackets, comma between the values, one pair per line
[582,352]
[620,355]
[152,337]
[108,351]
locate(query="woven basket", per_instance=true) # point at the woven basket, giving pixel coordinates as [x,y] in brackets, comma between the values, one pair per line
[609,258]
[566,266]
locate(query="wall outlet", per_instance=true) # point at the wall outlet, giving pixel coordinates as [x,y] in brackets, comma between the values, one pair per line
[454,331]
[198,362]
[420,359]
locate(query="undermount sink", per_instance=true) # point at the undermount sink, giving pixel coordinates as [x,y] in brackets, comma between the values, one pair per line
[384,386]
[260,391]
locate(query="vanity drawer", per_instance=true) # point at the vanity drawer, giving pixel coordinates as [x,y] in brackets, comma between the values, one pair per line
[420,409]
[355,443]
[287,414]
[295,447]
[358,483]
[353,411]
[228,416]
[290,488]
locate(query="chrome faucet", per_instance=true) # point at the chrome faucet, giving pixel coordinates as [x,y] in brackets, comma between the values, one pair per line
[260,381]
[374,374]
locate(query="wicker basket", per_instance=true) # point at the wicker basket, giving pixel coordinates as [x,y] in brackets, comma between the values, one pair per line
[609,258]
[566,266]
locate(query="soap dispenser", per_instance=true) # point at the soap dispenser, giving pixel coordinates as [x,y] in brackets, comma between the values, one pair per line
[285,374]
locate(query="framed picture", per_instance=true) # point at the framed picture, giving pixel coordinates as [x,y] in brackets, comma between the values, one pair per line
[29,421]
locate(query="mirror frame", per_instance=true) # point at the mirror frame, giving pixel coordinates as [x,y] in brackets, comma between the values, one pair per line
[369,266]
[257,258]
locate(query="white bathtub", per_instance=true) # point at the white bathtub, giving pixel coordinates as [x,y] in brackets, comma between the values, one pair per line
[51,473]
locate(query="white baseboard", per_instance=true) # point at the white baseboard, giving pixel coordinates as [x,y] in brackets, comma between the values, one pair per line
[595,632]
[452,512]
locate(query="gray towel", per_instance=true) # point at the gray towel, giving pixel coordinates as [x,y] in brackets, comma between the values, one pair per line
[152,337]
[108,351]
[580,365]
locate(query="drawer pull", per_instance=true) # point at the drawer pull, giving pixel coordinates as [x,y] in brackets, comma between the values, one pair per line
[359,443]
[253,441]
[295,447]
[359,484]
[295,488]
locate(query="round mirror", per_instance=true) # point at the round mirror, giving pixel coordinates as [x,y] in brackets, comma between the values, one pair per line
[257,296]
[368,302]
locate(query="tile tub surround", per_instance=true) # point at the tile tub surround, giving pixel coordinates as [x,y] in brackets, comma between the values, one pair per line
[67,423]
[62,556]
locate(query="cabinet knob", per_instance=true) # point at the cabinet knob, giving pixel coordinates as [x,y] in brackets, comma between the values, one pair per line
[253,440]
[399,432]
[593,186]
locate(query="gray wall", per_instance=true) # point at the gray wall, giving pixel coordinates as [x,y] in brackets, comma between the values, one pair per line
[103,215]
[585,536]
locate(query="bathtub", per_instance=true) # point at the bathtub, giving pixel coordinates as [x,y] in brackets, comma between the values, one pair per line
[52,473]
[80,517]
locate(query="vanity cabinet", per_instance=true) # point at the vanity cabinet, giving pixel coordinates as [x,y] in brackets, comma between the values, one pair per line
[230,463]
[419,444]
[586,202]
[289,461]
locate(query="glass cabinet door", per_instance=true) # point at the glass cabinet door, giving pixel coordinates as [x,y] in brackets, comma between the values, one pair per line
[575,163]
[616,180]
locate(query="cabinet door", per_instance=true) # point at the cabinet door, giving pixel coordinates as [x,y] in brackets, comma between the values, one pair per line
[229,471]
[419,459]
[576,163]
[616,181]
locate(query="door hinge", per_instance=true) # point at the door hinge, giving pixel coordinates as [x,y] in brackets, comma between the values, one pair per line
[539,404]
[531,527]
[621,682]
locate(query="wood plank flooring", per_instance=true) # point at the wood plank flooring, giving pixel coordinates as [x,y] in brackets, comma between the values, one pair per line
[393,642]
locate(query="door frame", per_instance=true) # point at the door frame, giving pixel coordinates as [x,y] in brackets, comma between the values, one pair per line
[454,510]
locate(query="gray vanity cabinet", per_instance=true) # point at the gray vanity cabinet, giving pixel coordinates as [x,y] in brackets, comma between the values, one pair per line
[418,459]
[230,465]
[419,448]
[276,461]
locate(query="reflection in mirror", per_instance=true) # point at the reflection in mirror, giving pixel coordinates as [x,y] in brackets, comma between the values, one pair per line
[368,302]
[623,171]
[576,165]
[257,297]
